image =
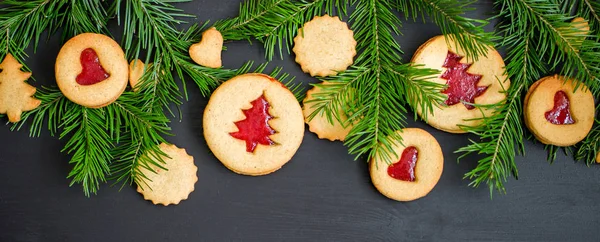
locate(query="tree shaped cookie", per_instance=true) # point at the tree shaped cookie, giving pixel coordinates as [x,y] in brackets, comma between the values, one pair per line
[15,93]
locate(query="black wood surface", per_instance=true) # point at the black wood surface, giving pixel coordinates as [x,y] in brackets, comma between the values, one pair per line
[322,194]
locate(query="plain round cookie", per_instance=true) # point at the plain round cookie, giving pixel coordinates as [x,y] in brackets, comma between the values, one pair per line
[324,46]
[319,123]
[432,54]
[112,59]
[428,169]
[225,108]
[174,184]
[541,99]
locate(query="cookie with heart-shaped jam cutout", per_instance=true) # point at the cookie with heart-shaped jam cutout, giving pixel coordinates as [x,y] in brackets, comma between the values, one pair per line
[416,169]
[208,51]
[253,124]
[91,70]
[556,113]
[467,82]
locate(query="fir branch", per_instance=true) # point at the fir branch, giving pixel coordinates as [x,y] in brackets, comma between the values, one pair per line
[590,10]
[82,16]
[275,23]
[588,149]
[468,33]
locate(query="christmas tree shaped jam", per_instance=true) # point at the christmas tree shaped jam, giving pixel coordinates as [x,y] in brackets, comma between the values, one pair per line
[255,129]
[404,169]
[462,86]
[560,114]
[92,71]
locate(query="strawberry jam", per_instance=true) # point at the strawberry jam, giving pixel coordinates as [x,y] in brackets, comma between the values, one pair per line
[92,71]
[255,129]
[404,169]
[462,86]
[560,114]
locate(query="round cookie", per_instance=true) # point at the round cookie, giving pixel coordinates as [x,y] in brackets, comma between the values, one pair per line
[253,124]
[324,46]
[319,123]
[174,184]
[540,100]
[106,70]
[426,171]
[443,54]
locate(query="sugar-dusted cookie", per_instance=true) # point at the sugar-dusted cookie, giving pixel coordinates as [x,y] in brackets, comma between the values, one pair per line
[208,51]
[480,82]
[91,70]
[136,71]
[556,114]
[319,123]
[417,168]
[15,93]
[174,184]
[324,46]
[253,124]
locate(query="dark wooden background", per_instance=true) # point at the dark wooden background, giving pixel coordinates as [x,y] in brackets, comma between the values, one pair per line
[322,194]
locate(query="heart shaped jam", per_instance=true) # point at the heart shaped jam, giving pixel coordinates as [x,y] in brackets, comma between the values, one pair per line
[462,85]
[561,113]
[404,169]
[92,71]
[255,129]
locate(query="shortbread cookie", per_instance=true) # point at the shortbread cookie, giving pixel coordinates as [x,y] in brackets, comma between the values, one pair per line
[253,124]
[584,28]
[324,46]
[556,114]
[416,169]
[174,184]
[208,51]
[598,157]
[91,70]
[480,82]
[136,71]
[319,123]
[15,93]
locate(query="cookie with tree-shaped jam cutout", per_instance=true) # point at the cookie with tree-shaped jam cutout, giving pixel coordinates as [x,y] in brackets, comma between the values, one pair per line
[468,82]
[416,169]
[91,70]
[558,114]
[253,124]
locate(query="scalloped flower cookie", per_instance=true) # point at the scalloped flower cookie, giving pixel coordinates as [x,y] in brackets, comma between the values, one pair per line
[324,46]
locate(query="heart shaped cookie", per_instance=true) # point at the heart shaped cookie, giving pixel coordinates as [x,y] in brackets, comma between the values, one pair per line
[208,51]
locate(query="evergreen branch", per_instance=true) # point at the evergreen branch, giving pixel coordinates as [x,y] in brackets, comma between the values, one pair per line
[89,144]
[82,16]
[419,92]
[468,33]
[501,134]
[275,23]
[590,146]
[590,10]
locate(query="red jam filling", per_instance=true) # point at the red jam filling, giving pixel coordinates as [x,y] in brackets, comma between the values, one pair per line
[560,114]
[404,169]
[462,86]
[255,129]
[92,72]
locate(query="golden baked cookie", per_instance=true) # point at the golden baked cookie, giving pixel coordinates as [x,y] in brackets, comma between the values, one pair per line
[480,82]
[91,70]
[324,46]
[418,167]
[208,51]
[584,28]
[136,71]
[319,123]
[557,115]
[598,157]
[253,124]
[174,184]
[15,93]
